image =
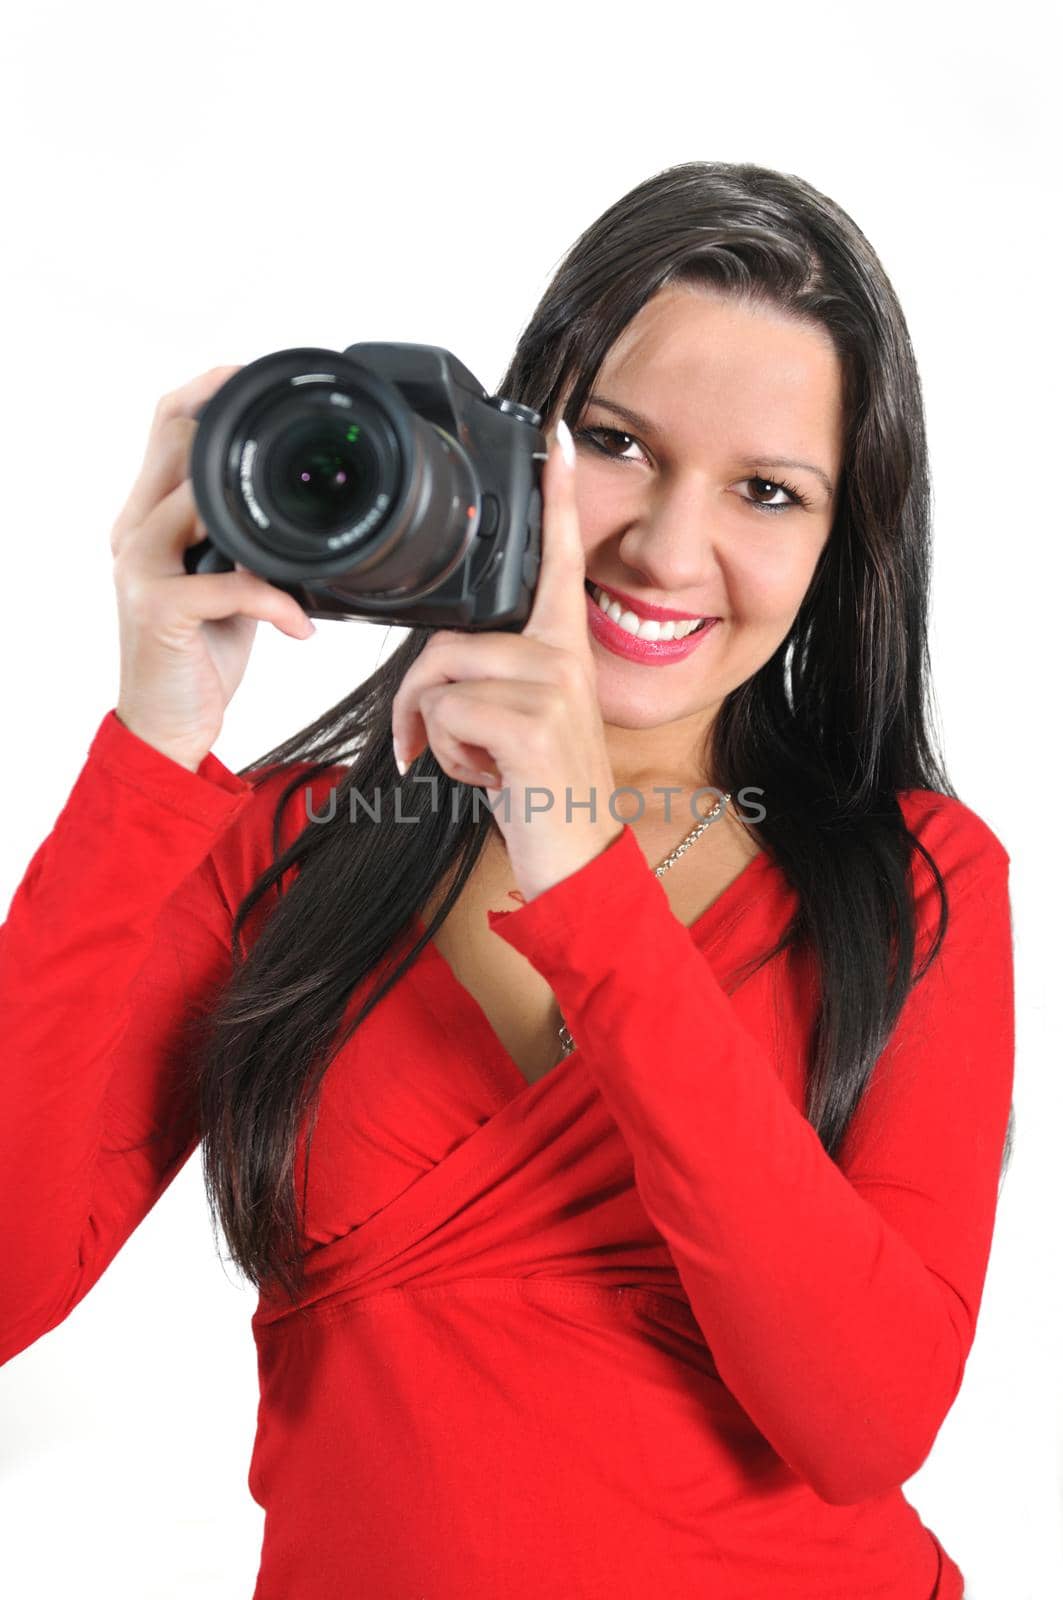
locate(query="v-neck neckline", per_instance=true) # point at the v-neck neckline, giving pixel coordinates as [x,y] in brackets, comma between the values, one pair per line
[473,1026]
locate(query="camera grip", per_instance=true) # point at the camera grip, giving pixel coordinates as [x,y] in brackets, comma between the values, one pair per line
[206,557]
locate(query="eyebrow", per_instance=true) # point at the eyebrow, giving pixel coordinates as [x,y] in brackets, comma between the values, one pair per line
[637,420]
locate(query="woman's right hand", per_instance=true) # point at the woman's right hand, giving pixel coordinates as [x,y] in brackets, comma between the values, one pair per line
[185,638]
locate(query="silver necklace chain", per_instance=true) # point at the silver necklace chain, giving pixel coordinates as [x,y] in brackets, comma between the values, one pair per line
[568,1044]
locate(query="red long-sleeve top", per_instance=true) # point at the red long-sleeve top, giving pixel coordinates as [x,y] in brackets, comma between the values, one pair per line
[626,1331]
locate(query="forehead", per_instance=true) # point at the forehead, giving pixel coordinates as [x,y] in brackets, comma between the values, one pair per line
[694,357]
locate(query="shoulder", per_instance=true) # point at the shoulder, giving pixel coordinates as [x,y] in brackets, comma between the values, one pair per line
[300,788]
[963,846]
[294,795]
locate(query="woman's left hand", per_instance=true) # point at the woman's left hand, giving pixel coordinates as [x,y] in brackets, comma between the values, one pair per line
[519,712]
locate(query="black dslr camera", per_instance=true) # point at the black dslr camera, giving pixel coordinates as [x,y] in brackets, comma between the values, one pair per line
[382,484]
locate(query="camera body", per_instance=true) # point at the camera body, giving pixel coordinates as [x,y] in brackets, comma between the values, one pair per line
[380,484]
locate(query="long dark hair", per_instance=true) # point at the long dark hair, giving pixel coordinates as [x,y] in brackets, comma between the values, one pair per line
[832,726]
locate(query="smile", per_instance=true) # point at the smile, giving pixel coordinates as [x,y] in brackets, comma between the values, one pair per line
[642,627]
[673,641]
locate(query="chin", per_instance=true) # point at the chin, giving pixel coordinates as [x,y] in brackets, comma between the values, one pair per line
[647,709]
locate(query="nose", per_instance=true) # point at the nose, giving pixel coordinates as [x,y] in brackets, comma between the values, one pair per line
[672,548]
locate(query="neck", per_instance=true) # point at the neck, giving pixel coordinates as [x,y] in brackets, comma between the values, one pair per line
[650,760]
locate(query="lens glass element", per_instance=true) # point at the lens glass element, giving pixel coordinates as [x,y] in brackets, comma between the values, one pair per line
[320,473]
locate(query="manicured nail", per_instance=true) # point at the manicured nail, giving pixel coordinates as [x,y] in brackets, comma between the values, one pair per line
[564,439]
[402,765]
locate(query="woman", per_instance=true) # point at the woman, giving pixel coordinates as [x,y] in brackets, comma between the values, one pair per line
[644,1233]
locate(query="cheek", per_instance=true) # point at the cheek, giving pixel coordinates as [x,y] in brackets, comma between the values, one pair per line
[766,585]
[602,504]
[594,527]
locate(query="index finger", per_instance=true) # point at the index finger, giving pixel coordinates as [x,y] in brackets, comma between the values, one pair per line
[559,610]
[166,453]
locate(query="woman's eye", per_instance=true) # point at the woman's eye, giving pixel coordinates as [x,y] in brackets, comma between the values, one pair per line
[772,489]
[792,498]
[594,434]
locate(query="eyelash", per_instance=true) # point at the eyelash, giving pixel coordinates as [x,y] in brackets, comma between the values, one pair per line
[778,483]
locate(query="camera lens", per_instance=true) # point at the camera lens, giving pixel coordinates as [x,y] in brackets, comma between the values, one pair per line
[313,466]
[320,473]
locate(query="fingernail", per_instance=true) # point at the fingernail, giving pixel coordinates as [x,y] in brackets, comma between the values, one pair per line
[402,765]
[564,439]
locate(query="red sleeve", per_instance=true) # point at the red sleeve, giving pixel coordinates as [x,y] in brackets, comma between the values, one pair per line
[838,1298]
[117,929]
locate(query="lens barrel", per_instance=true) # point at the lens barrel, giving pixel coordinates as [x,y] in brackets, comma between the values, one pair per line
[309,466]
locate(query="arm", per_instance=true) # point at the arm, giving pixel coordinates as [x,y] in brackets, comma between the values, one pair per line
[838,1299]
[118,927]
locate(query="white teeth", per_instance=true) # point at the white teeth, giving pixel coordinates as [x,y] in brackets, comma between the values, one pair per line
[641,627]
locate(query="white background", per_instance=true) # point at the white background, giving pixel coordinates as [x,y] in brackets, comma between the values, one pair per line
[196,185]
